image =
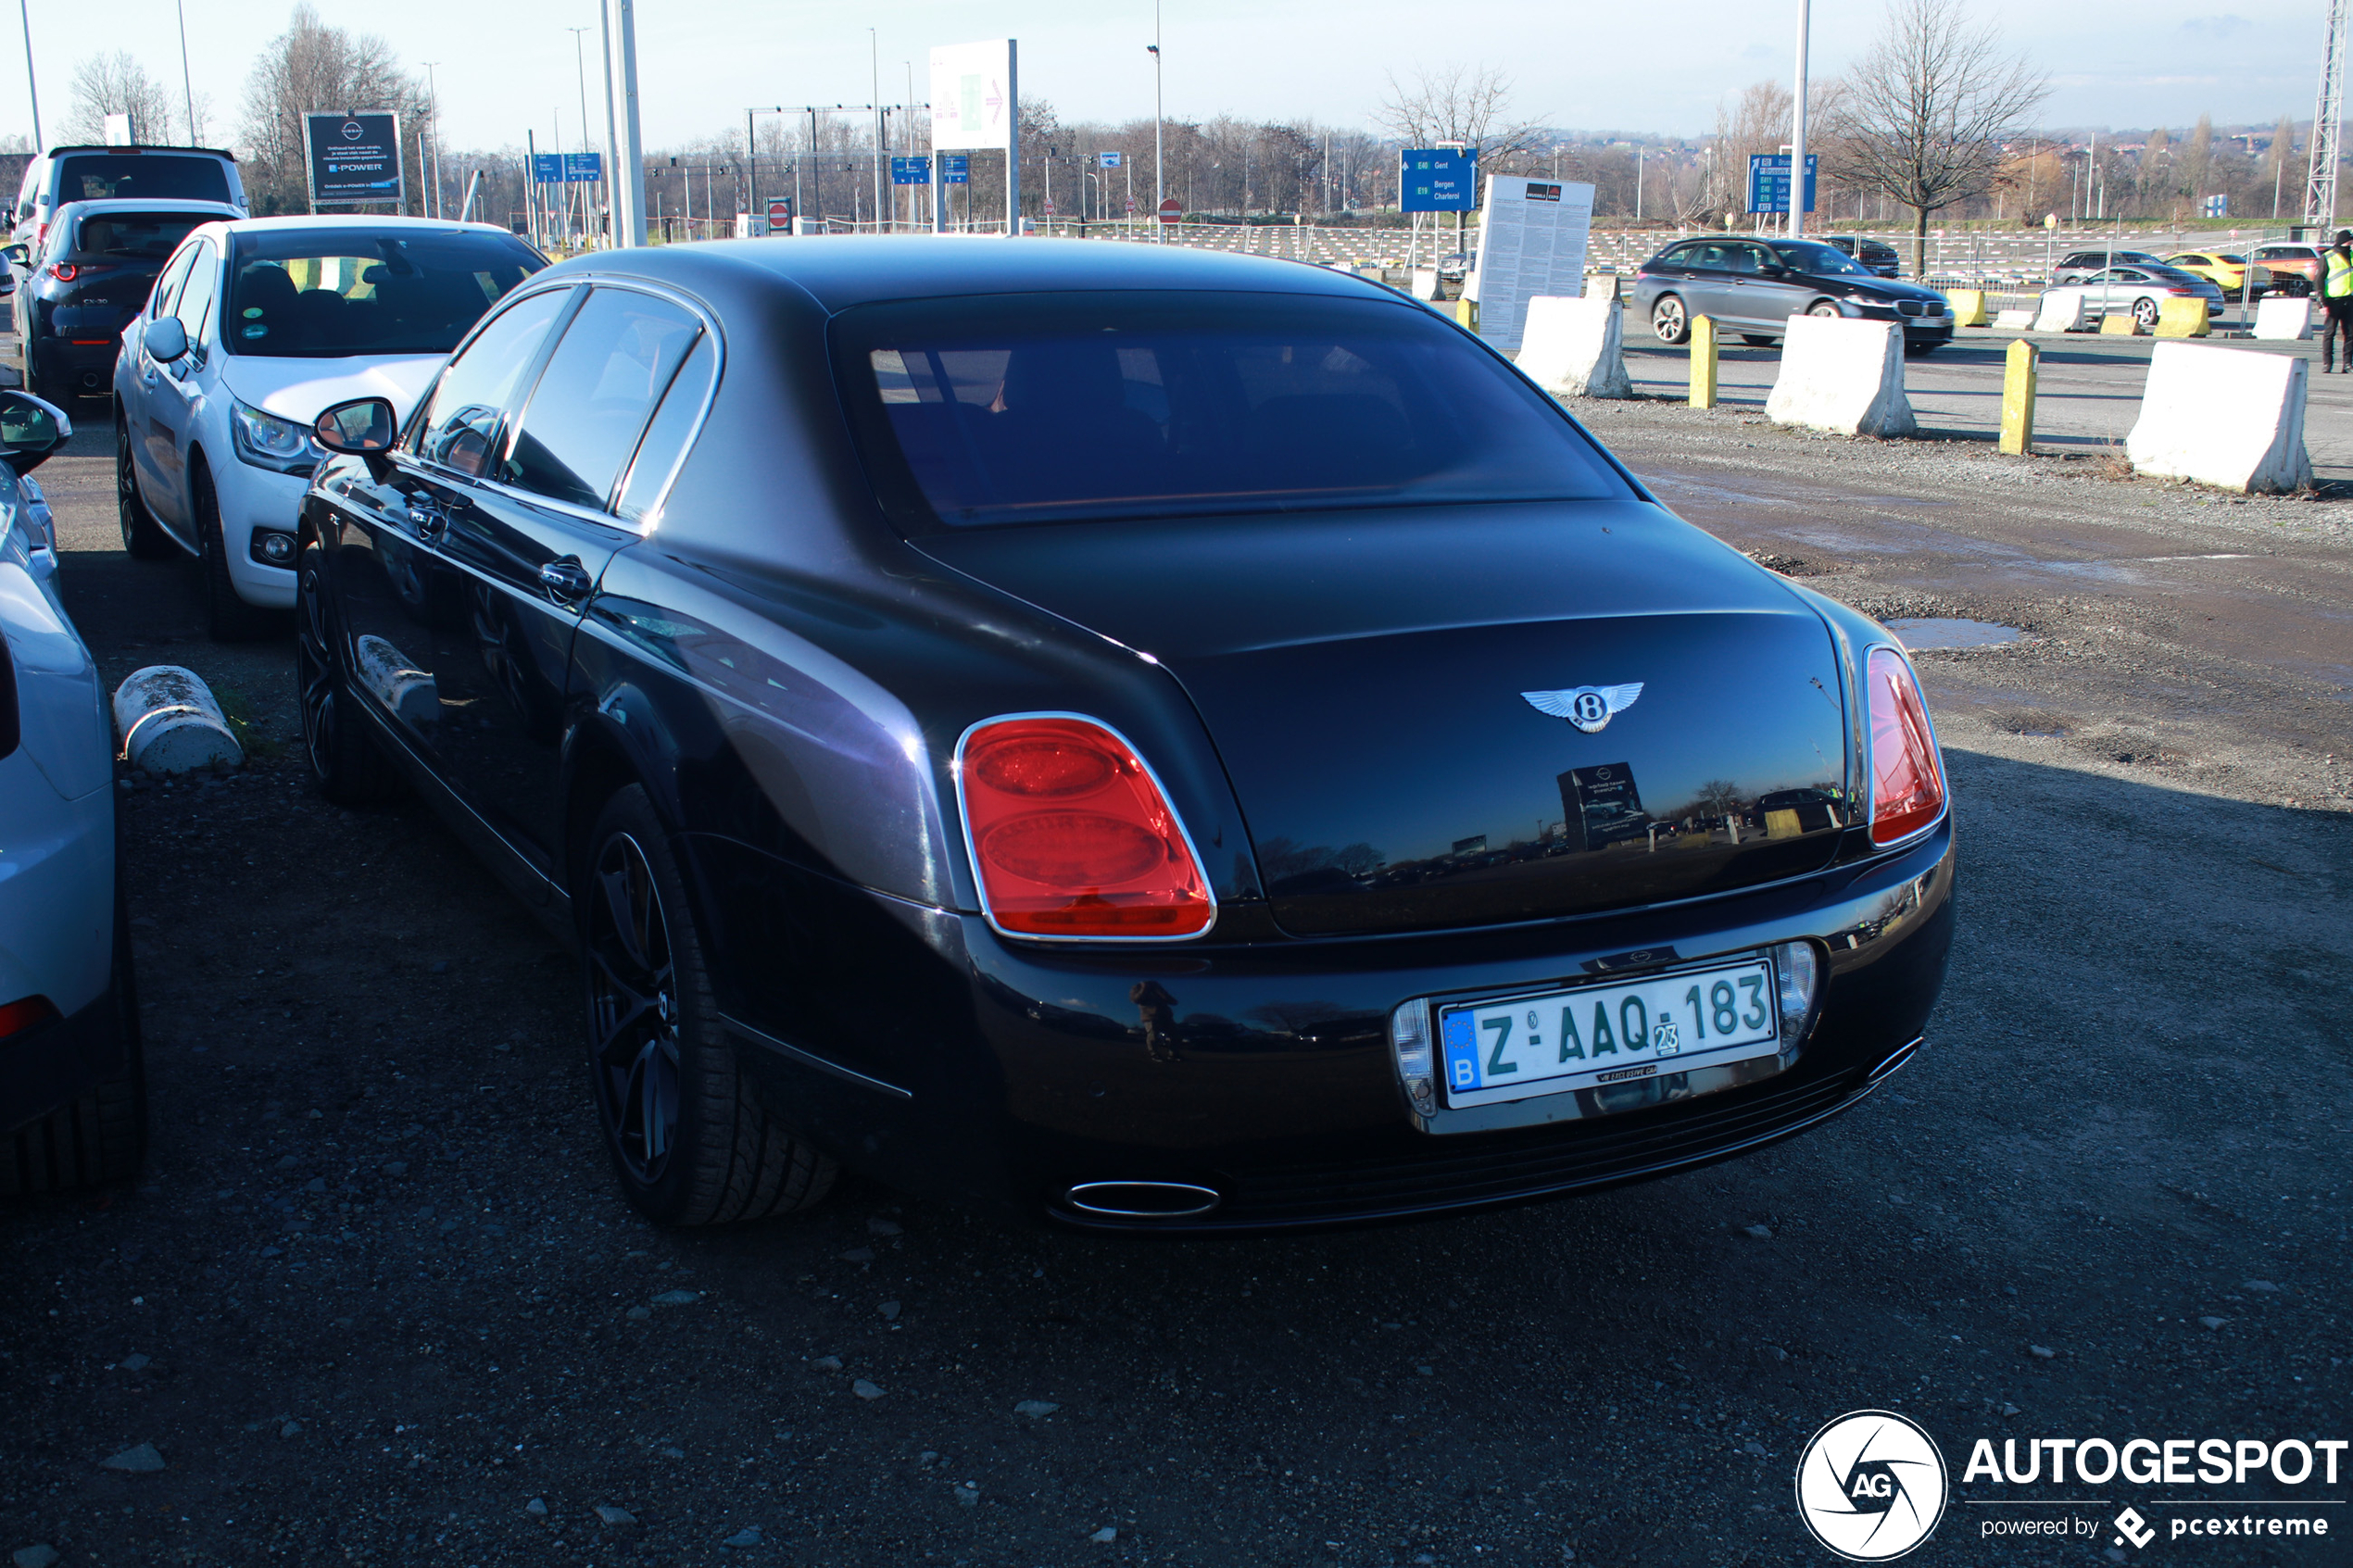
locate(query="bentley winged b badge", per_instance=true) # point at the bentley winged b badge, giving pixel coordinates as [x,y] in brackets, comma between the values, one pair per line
[1589,708]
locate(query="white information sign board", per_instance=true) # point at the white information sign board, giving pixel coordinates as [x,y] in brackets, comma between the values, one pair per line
[972,96]
[1532,235]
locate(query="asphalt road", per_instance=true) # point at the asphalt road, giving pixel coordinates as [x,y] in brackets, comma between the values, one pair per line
[374,1300]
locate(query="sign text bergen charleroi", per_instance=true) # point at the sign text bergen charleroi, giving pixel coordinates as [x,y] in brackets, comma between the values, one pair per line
[354,157]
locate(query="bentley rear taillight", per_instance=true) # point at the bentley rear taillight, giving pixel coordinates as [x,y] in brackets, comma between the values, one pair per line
[1072,837]
[1908,777]
[28,1012]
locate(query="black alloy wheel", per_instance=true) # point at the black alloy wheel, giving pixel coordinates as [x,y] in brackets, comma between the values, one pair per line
[227,616]
[143,536]
[351,769]
[689,1135]
[1669,320]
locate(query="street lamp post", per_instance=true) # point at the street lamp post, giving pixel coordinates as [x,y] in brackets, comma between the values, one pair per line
[31,86]
[751,165]
[1160,187]
[433,113]
[579,64]
[1797,131]
[874,65]
[187,83]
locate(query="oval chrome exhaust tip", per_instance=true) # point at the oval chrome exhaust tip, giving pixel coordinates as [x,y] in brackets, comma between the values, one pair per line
[1142,1200]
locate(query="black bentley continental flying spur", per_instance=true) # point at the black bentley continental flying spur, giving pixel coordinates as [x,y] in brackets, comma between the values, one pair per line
[1154,740]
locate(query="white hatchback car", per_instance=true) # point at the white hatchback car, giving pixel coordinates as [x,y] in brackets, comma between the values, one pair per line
[73,1086]
[252,329]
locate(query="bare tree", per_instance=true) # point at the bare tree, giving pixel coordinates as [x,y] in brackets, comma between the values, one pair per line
[314,69]
[115,83]
[1926,111]
[1467,104]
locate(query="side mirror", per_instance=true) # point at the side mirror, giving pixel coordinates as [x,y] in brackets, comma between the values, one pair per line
[364,427]
[166,339]
[29,430]
[17,255]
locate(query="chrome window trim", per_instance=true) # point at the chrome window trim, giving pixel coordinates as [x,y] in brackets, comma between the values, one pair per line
[511,427]
[972,853]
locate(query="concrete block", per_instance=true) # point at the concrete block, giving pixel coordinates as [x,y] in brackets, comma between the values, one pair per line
[1843,376]
[171,723]
[1576,347]
[2059,313]
[2119,323]
[1423,285]
[2283,321]
[2231,418]
[2014,321]
[2182,318]
[1968,307]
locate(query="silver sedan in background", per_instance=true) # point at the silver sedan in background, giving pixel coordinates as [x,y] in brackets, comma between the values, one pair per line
[2141,290]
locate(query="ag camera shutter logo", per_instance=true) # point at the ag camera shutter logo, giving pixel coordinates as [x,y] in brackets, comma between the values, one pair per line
[1871,1485]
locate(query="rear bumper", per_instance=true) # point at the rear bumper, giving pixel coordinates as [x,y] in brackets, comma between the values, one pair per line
[1005,1073]
[58,1063]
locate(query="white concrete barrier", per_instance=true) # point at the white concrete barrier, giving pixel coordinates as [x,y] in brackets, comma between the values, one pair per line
[171,724]
[2232,418]
[2283,321]
[1423,285]
[2059,313]
[2014,321]
[1575,347]
[1841,376]
[397,683]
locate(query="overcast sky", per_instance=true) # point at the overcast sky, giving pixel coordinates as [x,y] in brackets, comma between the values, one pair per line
[1635,67]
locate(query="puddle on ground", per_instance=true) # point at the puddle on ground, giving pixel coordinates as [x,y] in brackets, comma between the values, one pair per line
[1923,636]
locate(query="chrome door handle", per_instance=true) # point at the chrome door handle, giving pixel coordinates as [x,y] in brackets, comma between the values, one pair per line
[566,579]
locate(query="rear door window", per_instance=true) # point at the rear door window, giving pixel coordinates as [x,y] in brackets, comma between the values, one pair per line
[666,437]
[598,390]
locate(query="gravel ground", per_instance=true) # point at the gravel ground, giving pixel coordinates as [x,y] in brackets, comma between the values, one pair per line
[374,1300]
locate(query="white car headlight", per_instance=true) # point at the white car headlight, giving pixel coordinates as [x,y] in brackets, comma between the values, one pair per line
[267,441]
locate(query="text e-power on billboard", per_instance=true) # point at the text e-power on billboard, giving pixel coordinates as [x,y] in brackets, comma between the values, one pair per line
[354,157]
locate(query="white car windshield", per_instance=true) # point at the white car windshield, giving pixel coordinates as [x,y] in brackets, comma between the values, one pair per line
[332,294]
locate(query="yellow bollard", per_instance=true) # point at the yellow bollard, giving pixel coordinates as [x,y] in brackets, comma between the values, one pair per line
[1703,361]
[1968,307]
[2119,323]
[2018,398]
[1467,314]
[2182,318]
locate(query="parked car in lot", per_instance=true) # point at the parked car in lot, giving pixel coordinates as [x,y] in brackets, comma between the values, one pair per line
[1875,255]
[2079,265]
[1059,727]
[1753,287]
[2294,269]
[138,173]
[252,325]
[2224,271]
[2141,291]
[89,282]
[72,1089]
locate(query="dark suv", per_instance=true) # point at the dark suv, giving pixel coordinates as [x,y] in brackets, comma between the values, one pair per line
[89,281]
[1876,254]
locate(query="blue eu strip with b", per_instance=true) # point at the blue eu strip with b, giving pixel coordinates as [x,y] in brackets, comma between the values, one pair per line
[1462,1052]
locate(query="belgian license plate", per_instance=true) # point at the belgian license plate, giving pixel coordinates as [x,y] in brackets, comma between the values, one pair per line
[1588,1036]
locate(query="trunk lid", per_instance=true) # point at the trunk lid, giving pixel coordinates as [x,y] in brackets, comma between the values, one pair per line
[1393,774]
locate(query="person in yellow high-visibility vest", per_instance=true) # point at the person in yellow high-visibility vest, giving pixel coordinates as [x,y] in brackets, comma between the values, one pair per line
[2336,298]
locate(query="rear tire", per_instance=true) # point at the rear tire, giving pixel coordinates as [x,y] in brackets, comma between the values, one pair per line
[350,767]
[143,536]
[227,616]
[689,1138]
[101,1137]
[1670,321]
